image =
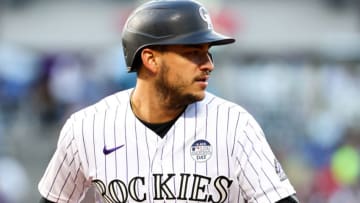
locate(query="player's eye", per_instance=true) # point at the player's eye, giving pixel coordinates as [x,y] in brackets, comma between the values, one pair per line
[198,56]
[193,53]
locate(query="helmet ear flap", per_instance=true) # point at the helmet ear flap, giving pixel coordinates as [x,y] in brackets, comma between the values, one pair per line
[137,62]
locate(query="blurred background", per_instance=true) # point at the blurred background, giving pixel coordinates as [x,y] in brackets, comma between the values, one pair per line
[295,67]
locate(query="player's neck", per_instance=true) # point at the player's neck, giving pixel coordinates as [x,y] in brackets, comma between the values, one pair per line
[152,109]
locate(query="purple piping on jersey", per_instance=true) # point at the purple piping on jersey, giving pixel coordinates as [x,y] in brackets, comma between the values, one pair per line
[149,159]
[195,135]
[217,144]
[82,134]
[252,144]
[172,155]
[236,129]
[184,140]
[137,149]
[245,176]
[76,176]
[57,173]
[114,128]
[93,136]
[62,188]
[227,145]
[107,151]
[125,132]
[252,165]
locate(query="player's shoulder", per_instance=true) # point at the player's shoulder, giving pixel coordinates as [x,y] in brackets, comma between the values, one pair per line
[216,106]
[117,100]
[227,108]
[213,101]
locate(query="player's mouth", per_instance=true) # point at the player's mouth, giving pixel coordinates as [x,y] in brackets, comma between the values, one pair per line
[202,81]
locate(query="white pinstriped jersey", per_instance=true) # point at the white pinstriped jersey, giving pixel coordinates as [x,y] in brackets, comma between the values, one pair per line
[214,152]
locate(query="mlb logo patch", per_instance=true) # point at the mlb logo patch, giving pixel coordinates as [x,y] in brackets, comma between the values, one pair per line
[201,150]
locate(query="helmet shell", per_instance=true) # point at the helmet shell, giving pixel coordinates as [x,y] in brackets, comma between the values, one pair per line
[168,22]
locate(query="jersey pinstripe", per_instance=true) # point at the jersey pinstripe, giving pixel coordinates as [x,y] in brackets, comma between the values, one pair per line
[215,152]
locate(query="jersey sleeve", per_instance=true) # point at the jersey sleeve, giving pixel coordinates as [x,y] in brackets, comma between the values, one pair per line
[259,174]
[63,180]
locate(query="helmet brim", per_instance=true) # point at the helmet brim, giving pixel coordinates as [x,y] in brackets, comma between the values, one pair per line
[211,37]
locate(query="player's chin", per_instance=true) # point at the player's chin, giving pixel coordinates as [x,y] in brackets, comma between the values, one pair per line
[198,95]
[189,98]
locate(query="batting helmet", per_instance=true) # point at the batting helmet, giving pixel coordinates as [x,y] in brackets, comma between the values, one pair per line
[167,22]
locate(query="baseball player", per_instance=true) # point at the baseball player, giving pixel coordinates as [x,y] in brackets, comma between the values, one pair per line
[167,139]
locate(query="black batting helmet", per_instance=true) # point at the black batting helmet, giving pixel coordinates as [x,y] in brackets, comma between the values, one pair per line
[167,22]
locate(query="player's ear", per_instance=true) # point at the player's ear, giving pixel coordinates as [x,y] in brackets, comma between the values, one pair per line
[148,57]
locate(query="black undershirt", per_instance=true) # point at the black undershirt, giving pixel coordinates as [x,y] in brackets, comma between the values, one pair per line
[160,128]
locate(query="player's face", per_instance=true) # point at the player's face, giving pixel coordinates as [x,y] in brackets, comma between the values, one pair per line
[184,73]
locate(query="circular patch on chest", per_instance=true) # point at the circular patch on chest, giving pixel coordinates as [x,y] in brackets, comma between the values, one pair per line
[201,150]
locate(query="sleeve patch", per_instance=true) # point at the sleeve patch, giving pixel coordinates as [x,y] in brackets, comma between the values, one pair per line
[279,171]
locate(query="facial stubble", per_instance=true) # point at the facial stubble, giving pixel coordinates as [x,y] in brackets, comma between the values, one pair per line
[172,92]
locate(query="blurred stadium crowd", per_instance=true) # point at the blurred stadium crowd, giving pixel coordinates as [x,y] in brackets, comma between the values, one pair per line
[307,102]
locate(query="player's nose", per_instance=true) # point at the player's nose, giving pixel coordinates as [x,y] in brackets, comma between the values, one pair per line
[207,63]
